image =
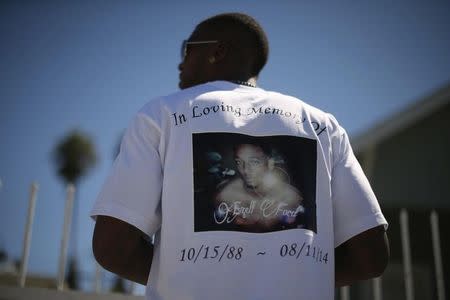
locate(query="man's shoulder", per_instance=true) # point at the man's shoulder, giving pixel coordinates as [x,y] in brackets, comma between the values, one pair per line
[190,93]
[230,189]
[291,193]
[315,113]
[232,184]
[180,96]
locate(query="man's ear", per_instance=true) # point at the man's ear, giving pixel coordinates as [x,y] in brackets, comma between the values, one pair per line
[220,51]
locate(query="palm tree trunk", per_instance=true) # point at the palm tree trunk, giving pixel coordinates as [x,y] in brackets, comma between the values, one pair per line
[73,271]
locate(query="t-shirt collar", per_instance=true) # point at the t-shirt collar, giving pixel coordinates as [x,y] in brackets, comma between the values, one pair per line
[227,85]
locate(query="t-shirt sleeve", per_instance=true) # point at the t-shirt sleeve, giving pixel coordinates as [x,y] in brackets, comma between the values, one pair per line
[355,207]
[132,190]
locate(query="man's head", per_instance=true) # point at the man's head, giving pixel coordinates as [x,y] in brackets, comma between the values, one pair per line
[252,163]
[236,49]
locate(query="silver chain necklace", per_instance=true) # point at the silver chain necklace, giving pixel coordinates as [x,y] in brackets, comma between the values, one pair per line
[246,83]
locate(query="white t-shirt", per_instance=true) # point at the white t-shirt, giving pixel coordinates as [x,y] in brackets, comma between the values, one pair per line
[246,191]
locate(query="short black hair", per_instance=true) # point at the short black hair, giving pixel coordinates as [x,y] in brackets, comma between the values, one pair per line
[249,33]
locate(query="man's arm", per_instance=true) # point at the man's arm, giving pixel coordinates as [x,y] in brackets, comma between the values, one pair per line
[120,248]
[362,257]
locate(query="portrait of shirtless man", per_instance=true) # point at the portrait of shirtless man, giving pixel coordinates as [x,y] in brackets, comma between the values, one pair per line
[260,198]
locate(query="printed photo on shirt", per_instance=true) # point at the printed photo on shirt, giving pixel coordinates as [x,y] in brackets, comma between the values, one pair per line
[254,183]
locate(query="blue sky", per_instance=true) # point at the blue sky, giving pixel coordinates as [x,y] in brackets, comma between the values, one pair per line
[92,64]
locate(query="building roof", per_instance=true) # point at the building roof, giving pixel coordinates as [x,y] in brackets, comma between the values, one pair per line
[402,119]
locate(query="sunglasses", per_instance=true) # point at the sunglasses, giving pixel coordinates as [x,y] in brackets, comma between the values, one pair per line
[186,43]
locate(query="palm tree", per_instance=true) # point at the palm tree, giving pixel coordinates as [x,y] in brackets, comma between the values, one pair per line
[74,155]
[119,285]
